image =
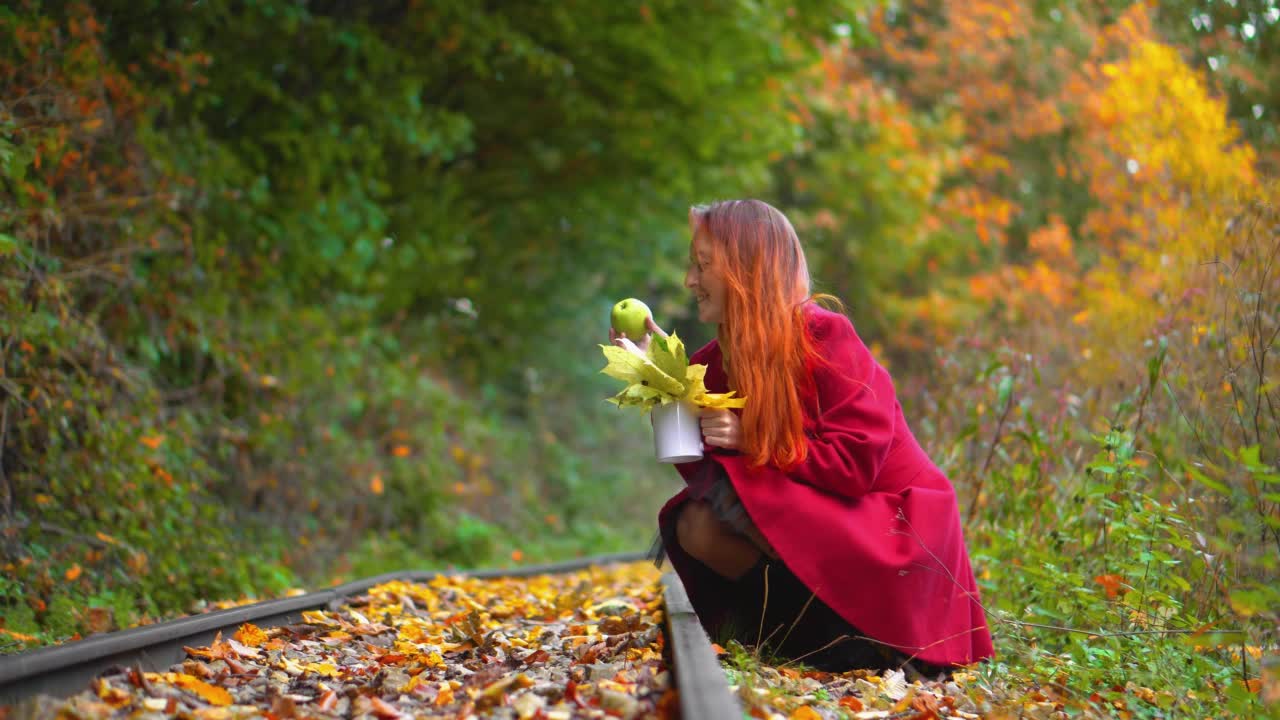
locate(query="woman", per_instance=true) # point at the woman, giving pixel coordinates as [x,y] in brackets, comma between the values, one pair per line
[815,525]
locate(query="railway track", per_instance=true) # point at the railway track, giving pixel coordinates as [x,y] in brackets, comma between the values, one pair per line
[68,670]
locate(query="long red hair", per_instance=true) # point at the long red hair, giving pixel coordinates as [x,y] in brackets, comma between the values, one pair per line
[763,336]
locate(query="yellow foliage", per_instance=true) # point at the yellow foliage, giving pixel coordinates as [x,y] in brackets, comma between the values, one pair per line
[1166,169]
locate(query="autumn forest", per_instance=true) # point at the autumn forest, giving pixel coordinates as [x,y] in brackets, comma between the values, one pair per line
[295,293]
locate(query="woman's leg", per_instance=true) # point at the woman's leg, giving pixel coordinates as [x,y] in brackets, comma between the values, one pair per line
[733,516]
[705,537]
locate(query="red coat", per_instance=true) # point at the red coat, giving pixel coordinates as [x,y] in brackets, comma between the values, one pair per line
[867,521]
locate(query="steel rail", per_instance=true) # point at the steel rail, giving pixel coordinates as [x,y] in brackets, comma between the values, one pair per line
[65,670]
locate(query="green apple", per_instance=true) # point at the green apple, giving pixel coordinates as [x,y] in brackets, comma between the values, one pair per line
[628,318]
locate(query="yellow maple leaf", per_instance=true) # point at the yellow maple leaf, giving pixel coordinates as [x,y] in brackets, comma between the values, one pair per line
[662,375]
[720,400]
[635,369]
[641,396]
[669,355]
[698,395]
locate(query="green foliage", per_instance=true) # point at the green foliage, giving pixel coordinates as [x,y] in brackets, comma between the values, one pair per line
[276,280]
[1101,570]
[860,183]
[364,151]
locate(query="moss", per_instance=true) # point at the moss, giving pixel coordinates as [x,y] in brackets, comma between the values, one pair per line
[20,618]
[63,617]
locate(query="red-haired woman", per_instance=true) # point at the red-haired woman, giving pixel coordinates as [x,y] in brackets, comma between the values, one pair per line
[815,525]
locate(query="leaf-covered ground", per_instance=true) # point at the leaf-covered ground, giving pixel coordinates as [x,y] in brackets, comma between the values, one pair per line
[576,645]
[587,644]
[784,692]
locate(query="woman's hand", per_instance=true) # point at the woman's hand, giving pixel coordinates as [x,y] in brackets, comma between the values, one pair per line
[721,427]
[641,344]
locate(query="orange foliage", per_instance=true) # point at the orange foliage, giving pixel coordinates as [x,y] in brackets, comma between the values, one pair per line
[1110,583]
[1081,136]
[1053,244]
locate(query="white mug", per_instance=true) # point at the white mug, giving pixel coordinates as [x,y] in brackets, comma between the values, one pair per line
[677,432]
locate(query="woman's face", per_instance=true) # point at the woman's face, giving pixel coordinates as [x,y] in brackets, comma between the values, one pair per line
[705,281]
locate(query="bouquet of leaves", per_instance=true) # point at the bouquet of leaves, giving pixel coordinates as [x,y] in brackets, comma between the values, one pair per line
[661,375]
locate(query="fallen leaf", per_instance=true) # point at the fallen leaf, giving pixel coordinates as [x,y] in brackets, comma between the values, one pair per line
[894,684]
[383,709]
[241,649]
[496,691]
[326,669]
[284,707]
[98,620]
[209,693]
[217,650]
[250,635]
[113,696]
[925,703]
[851,703]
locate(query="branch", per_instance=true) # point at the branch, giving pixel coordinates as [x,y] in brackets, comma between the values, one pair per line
[991,451]
[65,532]
[1021,623]
[1120,633]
